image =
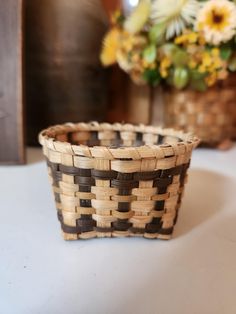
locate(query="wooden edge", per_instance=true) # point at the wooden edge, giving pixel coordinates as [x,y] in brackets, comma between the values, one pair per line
[20,105]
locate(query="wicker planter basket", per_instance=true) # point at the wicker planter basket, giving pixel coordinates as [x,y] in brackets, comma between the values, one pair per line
[113,180]
[209,115]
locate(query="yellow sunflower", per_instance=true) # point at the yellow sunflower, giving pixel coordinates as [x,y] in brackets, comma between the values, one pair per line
[217,21]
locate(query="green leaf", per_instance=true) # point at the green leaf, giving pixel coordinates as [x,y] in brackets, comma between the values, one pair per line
[195,75]
[225,52]
[180,57]
[181,77]
[152,76]
[150,53]
[121,19]
[156,33]
[169,49]
[197,81]
[170,77]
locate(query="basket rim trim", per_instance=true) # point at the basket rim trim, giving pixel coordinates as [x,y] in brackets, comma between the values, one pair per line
[47,139]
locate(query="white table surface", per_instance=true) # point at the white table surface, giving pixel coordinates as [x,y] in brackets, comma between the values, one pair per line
[194,273]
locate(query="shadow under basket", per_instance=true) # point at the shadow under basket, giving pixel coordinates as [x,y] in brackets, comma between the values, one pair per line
[112,180]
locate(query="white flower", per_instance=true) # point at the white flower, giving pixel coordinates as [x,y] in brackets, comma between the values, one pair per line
[176,14]
[217,21]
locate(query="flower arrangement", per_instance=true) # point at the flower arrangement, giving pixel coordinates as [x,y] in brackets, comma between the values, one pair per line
[182,43]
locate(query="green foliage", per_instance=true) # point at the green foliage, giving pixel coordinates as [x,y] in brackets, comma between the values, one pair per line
[181,77]
[197,81]
[180,57]
[150,53]
[120,20]
[225,52]
[169,49]
[156,33]
[152,77]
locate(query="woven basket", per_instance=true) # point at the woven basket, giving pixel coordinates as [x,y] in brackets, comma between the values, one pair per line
[112,180]
[209,115]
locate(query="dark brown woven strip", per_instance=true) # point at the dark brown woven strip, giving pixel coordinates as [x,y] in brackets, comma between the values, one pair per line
[93,135]
[154,226]
[70,138]
[77,229]
[92,143]
[162,182]
[52,165]
[186,166]
[59,215]
[84,172]
[85,216]
[137,230]
[123,184]
[176,217]
[172,171]
[85,221]
[139,137]
[149,175]
[69,170]
[57,197]
[160,139]
[138,143]
[85,188]
[84,180]
[85,203]
[162,190]
[125,176]
[182,178]
[124,191]
[57,176]
[103,229]
[104,175]
[159,205]
[124,206]
[70,229]
[166,231]
[121,225]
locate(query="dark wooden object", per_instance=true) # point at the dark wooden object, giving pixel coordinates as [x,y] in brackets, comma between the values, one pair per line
[11,108]
[65,80]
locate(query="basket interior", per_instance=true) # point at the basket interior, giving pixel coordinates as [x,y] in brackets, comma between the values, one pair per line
[115,138]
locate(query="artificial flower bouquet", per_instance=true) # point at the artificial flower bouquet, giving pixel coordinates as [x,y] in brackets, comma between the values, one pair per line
[182,43]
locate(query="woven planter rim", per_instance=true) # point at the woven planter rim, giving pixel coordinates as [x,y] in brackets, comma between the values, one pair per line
[47,138]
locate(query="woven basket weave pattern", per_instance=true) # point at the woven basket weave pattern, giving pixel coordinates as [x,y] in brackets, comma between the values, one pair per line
[120,180]
[209,115]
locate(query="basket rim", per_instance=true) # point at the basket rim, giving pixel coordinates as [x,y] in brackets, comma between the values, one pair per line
[47,140]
